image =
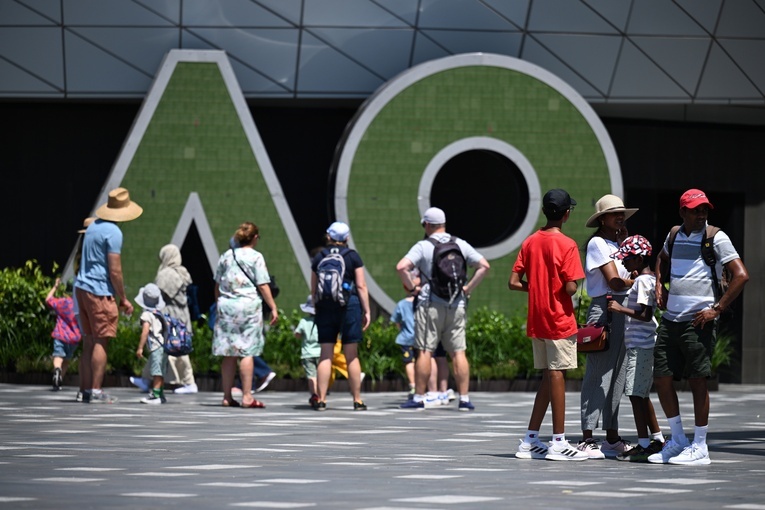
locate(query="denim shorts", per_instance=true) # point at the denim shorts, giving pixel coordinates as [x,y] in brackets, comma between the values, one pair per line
[344,321]
[64,350]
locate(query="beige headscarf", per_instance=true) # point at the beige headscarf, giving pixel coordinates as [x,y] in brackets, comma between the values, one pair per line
[173,279]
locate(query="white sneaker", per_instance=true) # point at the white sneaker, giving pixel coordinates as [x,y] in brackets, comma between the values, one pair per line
[611,450]
[140,383]
[443,399]
[265,382]
[188,388]
[431,400]
[561,450]
[591,448]
[152,399]
[535,450]
[451,394]
[693,455]
[671,449]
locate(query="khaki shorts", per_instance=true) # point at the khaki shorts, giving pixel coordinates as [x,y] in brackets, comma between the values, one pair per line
[98,314]
[439,322]
[554,354]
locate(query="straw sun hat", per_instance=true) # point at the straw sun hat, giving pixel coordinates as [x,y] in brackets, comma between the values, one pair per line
[608,204]
[119,207]
[86,223]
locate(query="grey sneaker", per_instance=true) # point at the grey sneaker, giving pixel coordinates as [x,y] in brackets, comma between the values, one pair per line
[102,398]
[57,379]
[591,448]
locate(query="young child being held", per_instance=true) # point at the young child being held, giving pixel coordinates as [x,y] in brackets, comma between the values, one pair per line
[149,298]
[639,339]
[66,334]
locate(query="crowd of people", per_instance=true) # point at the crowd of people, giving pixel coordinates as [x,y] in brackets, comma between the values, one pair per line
[691,280]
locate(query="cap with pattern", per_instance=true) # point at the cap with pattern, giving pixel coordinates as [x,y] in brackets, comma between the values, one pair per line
[633,245]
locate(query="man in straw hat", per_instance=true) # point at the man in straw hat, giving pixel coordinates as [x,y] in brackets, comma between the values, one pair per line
[98,281]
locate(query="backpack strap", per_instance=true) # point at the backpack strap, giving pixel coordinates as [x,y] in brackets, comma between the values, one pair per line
[670,244]
[709,257]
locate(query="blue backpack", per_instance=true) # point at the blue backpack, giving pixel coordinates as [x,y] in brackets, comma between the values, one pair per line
[330,274]
[176,335]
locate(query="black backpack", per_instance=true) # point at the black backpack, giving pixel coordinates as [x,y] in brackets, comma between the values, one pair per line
[449,272]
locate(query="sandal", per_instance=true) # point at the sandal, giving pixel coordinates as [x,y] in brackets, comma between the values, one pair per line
[255,404]
[231,403]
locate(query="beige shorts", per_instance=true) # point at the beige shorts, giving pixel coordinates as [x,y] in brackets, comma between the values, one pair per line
[439,322]
[554,354]
[98,314]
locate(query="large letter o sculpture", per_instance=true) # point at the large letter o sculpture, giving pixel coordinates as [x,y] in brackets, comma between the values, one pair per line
[405,132]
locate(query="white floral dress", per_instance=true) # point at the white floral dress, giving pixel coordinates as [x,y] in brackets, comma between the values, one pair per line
[239,322]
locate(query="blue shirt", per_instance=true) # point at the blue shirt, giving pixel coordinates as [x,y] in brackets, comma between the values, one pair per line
[101,239]
[404,316]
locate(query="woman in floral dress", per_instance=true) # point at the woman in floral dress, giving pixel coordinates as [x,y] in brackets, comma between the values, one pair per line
[241,286]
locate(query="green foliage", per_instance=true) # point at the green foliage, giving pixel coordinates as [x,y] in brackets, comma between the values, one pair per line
[25,321]
[498,347]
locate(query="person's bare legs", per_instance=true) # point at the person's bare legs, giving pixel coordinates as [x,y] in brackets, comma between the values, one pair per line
[246,368]
[324,369]
[422,372]
[653,423]
[98,362]
[700,392]
[541,402]
[667,396]
[227,374]
[639,411]
[354,370]
[433,379]
[443,373]
[461,368]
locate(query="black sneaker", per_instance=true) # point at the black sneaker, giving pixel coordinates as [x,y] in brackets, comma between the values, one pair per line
[320,406]
[637,452]
[313,401]
[359,406]
[57,379]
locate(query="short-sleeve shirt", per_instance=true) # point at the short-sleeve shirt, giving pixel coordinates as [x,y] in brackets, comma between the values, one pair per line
[641,334]
[309,334]
[549,259]
[101,238]
[156,338]
[66,329]
[236,280]
[599,251]
[421,255]
[691,285]
[403,315]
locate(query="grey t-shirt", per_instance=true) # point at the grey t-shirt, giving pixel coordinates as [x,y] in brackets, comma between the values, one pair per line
[421,255]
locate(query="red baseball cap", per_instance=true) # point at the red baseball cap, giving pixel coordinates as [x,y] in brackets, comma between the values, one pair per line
[694,198]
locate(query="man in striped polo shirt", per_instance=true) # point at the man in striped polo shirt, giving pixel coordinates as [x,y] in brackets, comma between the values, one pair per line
[686,333]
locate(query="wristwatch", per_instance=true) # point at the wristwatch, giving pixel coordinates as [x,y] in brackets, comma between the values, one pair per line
[717,308]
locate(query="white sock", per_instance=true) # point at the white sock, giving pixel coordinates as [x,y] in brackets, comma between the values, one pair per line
[95,391]
[464,398]
[676,427]
[418,398]
[559,438]
[644,441]
[658,436]
[531,436]
[700,435]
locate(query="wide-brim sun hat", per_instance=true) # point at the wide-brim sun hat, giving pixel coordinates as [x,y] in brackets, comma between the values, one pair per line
[119,207]
[150,297]
[86,223]
[308,307]
[606,205]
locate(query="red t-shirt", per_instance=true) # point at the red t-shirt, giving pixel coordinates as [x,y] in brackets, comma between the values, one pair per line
[549,259]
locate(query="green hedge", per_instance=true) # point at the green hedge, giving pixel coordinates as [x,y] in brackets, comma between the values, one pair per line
[497,344]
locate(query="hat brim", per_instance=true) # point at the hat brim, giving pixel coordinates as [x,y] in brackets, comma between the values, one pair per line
[593,221]
[129,213]
[139,300]
[308,309]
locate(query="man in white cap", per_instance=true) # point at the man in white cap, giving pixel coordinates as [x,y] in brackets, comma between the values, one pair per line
[440,317]
[98,282]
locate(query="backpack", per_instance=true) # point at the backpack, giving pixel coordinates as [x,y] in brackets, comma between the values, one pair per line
[707,254]
[330,272]
[177,337]
[449,272]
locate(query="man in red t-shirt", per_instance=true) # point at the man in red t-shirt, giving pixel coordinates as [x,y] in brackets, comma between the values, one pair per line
[550,262]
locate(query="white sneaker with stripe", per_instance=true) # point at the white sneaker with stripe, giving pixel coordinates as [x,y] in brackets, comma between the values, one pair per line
[561,450]
[535,450]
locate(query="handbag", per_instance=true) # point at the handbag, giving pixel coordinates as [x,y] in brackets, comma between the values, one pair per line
[593,337]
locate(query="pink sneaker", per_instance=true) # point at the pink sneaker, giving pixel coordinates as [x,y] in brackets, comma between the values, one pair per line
[611,450]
